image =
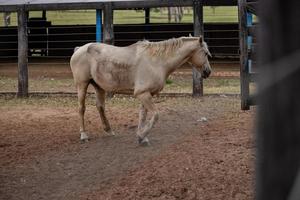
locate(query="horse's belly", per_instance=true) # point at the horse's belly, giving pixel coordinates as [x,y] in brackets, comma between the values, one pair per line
[112,78]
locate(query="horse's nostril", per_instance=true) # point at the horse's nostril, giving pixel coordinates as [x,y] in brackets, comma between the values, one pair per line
[206,74]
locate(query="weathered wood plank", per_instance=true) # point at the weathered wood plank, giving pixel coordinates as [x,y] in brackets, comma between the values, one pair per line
[56,6]
[198,31]
[62,5]
[108,27]
[243,55]
[197,83]
[22,54]
[170,3]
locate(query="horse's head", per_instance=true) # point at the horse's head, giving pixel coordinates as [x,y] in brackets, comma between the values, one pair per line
[200,59]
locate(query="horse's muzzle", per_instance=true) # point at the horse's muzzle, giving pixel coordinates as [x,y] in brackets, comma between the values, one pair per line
[205,74]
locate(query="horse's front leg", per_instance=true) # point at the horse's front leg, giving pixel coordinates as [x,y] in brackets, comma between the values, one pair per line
[146,99]
[142,118]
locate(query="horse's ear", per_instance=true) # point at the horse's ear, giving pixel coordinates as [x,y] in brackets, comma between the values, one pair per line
[201,40]
[190,35]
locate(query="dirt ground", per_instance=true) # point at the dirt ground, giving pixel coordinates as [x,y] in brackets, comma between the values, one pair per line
[42,158]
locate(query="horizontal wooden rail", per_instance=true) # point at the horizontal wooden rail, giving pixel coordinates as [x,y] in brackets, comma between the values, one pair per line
[57,5]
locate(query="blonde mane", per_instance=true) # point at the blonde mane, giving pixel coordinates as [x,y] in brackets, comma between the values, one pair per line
[163,48]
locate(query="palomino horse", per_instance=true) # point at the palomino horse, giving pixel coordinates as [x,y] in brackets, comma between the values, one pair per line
[142,67]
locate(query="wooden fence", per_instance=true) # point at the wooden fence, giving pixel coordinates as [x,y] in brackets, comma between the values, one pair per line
[247,10]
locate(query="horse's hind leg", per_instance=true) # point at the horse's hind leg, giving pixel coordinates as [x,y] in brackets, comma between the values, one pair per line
[146,99]
[100,104]
[81,92]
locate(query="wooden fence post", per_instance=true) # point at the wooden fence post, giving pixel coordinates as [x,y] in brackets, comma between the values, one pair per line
[22,53]
[198,30]
[244,78]
[108,29]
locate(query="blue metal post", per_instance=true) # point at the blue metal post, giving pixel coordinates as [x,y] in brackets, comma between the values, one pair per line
[249,39]
[98,25]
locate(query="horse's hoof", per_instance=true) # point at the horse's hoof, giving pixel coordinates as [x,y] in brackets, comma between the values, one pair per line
[109,133]
[143,141]
[84,137]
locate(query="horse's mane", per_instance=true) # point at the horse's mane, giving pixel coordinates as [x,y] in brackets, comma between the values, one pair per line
[163,48]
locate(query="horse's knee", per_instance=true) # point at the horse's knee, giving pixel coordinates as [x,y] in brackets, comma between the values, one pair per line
[154,118]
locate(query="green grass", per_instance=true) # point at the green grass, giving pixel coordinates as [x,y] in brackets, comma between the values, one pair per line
[176,84]
[211,86]
[12,101]
[63,102]
[73,17]
[39,84]
[219,86]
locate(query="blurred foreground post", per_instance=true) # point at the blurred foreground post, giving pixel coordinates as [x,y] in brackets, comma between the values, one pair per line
[278,124]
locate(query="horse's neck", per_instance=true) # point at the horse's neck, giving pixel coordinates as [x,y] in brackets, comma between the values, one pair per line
[180,57]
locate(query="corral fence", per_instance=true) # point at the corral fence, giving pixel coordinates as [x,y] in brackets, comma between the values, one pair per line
[38,41]
[58,41]
[248,47]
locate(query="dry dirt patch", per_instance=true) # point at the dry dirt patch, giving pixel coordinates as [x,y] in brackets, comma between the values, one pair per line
[42,158]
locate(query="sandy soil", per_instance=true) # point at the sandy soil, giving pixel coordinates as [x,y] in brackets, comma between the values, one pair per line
[42,158]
